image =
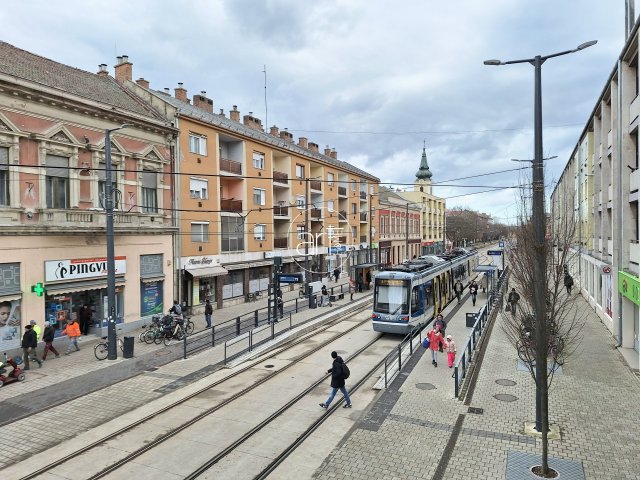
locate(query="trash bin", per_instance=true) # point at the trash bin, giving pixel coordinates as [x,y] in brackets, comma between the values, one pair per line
[313,301]
[471,320]
[127,351]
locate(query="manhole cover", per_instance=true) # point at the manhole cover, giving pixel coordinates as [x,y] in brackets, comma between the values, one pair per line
[505,397]
[505,383]
[476,410]
[425,386]
[269,366]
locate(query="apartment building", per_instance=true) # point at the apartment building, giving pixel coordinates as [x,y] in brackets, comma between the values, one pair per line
[52,187]
[246,196]
[598,192]
[399,225]
[433,208]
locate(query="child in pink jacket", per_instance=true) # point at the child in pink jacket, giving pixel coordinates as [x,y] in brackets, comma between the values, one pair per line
[450,348]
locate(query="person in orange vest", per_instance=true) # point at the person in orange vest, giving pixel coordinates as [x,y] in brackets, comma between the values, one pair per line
[72,330]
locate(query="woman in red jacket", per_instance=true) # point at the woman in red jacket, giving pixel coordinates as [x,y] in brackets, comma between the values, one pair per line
[435,339]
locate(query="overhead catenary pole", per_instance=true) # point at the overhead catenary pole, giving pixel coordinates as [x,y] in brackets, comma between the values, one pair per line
[306,240]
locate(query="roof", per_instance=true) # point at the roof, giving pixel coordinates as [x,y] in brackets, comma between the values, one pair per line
[221,121]
[103,89]
[423,172]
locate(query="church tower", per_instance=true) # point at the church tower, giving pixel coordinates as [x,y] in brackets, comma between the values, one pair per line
[423,175]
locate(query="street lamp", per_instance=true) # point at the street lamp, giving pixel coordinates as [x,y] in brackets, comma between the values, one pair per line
[531,161]
[112,353]
[539,286]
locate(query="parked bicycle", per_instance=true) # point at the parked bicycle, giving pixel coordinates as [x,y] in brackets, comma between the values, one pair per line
[101,350]
[175,332]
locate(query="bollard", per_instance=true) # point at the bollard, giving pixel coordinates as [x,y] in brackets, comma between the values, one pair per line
[237,326]
[255,317]
[213,336]
[296,305]
[399,358]
[455,375]
[184,343]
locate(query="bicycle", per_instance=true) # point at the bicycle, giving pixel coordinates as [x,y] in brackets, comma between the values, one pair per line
[101,350]
[178,333]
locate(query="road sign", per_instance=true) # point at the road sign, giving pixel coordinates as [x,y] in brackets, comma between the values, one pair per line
[501,244]
[494,252]
[290,277]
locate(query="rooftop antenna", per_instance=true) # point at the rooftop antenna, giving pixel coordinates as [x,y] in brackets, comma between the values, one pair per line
[266,114]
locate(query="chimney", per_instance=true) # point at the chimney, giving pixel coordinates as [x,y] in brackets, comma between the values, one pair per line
[252,122]
[333,153]
[181,93]
[235,114]
[327,151]
[274,131]
[167,91]
[201,101]
[302,141]
[221,112]
[286,136]
[124,69]
[313,147]
[142,82]
[103,70]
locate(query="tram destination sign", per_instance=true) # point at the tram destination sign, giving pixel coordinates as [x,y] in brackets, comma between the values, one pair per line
[494,252]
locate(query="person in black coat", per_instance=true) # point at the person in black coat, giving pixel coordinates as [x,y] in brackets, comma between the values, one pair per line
[568,282]
[47,337]
[29,344]
[337,381]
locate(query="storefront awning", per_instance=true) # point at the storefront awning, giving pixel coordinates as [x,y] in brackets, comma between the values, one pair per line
[71,287]
[151,279]
[8,297]
[214,271]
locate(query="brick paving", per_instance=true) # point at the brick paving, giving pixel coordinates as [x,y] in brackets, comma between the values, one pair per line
[596,402]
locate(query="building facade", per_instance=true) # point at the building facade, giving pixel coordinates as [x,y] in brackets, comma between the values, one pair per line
[399,226]
[52,188]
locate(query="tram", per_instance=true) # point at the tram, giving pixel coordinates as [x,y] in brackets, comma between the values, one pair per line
[411,294]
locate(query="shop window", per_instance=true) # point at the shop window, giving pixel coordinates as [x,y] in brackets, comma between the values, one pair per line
[233,284]
[197,144]
[198,188]
[57,182]
[259,279]
[4,176]
[258,160]
[232,234]
[149,193]
[200,232]
[207,290]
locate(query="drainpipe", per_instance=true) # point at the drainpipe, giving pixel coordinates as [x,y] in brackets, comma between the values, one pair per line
[620,199]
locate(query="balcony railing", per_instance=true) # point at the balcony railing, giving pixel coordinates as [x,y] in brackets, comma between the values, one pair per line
[315,185]
[230,205]
[280,177]
[281,211]
[281,242]
[363,217]
[230,166]
[343,215]
[316,213]
[342,191]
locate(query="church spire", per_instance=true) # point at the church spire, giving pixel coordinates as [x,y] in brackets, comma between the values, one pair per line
[423,172]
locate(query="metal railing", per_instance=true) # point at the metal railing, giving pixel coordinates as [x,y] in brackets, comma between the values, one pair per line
[396,355]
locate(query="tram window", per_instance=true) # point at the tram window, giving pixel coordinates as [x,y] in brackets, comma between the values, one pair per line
[415,298]
[428,294]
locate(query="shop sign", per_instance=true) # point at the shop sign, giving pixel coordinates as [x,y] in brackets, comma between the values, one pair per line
[629,286]
[60,270]
[197,262]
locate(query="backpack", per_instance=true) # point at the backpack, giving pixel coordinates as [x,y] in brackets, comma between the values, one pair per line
[345,371]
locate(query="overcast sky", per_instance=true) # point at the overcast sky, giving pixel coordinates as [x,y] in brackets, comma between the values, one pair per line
[371,78]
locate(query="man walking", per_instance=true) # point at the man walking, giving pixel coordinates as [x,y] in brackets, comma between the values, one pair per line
[208,311]
[513,299]
[337,381]
[85,319]
[72,330]
[458,289]
[473,290]
[29,344]
[47,337]
[568,282]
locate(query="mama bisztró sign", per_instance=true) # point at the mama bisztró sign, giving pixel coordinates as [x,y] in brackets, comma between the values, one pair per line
[61,270]
[629,286]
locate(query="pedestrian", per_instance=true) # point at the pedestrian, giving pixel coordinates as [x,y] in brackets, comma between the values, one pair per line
[72,330]
[279,303]
[435,343]
[458,289]
[441,324]
[176,310]
[29,344]
[360,281]
[48,336]
[208,311]
[568,282]
[368,279]
[450,345]
[36,328]
[336,273]
[473,290]
[325,300]
[85,319]
[337,381]
[512,300]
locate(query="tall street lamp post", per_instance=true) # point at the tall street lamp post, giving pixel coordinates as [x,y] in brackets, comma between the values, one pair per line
[539,287]
[112,353]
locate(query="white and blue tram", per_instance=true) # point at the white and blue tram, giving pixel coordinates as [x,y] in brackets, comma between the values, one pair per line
[411,294]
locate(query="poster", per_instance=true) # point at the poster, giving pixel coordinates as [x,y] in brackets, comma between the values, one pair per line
[151,301]
[10,330]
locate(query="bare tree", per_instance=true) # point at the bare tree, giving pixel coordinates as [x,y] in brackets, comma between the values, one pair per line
[563,329]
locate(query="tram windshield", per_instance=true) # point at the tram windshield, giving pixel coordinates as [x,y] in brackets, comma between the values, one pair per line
[391,296]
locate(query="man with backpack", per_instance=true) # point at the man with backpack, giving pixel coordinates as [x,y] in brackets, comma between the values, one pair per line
[339,372]
[176,310]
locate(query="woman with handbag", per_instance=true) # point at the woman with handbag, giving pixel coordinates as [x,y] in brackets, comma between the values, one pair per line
[435,343]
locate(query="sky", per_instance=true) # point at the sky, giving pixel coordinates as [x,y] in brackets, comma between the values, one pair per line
[374,79]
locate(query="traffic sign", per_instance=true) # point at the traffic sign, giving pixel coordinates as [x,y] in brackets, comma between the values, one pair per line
[290,277]
[501,244]
[494,252]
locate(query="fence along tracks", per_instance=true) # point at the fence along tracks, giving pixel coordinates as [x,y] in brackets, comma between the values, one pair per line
[174,431]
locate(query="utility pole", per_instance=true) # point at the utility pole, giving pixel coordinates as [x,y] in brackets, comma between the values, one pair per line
[370,228]
[112,353]
[306,241]
[406,231]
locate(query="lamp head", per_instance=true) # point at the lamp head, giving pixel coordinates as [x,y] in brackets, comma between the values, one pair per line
[493,62]
[588,44]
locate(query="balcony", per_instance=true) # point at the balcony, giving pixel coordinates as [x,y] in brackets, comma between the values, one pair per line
[230,205]
[315,185]
[281,242]
[230,166]
[280,177]
[315,213]
[342,191]
[281,211]
[363,217]
[363,195]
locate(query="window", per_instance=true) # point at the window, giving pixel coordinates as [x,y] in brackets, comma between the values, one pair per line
[300,202]
[300,230]
[149,194]
[353,186]
[299,171]
[197,144]
[198,188]
[232,234]
[57,182]
[354,208]
[373,190]
[260,232]
[4,176]
[354,233]
[330,179]
[259,196]
[330,205]
[200,232]
[258,160]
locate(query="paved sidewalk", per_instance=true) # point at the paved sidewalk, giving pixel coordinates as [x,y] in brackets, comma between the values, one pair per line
[415,432]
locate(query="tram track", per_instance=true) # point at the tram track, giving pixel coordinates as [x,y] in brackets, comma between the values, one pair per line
[174,431]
